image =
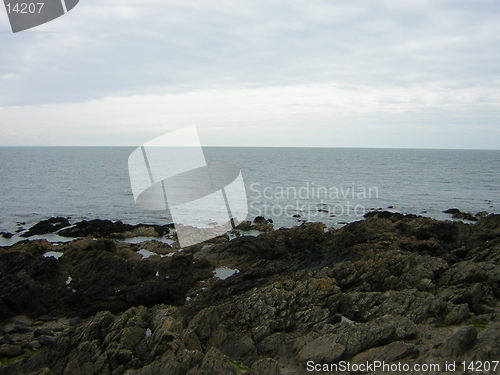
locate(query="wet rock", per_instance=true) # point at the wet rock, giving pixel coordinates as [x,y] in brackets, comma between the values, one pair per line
[47,226]
[103,278]
[457,214]
[6,235]
[115,229]
[260,220]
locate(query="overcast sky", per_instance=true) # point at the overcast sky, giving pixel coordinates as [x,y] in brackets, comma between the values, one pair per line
[330,73]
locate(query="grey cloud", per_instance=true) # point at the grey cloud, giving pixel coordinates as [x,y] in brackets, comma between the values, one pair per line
[123,47]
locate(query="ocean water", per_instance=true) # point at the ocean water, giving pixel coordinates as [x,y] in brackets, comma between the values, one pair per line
[334,186]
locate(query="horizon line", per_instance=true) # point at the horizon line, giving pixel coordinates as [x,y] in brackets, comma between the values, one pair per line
[220,146]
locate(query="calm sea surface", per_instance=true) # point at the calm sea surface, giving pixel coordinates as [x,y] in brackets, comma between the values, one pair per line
[334,186]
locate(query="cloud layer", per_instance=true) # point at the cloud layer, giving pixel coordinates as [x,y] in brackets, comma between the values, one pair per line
[379,73]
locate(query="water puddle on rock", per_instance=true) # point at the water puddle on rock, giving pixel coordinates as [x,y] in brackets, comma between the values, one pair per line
[51,237]
[53,254]
[137,240]
[224,273]
[146,253]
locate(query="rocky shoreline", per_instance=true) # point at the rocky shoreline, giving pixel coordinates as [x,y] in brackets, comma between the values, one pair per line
[260,301]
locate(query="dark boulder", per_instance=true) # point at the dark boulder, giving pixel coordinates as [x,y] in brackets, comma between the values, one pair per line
[115,229]
[47,226]
[457,214]
[261,220]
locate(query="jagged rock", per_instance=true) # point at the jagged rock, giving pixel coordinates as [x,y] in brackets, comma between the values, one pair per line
[381,331]
[390,287]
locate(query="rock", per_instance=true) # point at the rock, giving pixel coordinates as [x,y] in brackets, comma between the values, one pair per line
[237,346]
[15,328]
[276,345]
[265,366]
[388,353]
[116,229]
[34,345]
[459,342]
[380,331]
[42,331]
[47,226]
[457,315]
[390,287]
[75,321]
[324,349]
[487,344]
[10,351]
[103,278]
[215,363]
[260,220]
[457,214]
[46,340]
[6,235]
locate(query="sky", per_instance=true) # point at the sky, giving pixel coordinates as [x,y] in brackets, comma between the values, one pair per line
[316,73]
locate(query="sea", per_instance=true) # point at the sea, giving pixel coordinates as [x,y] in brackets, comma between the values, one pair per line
[288,185]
